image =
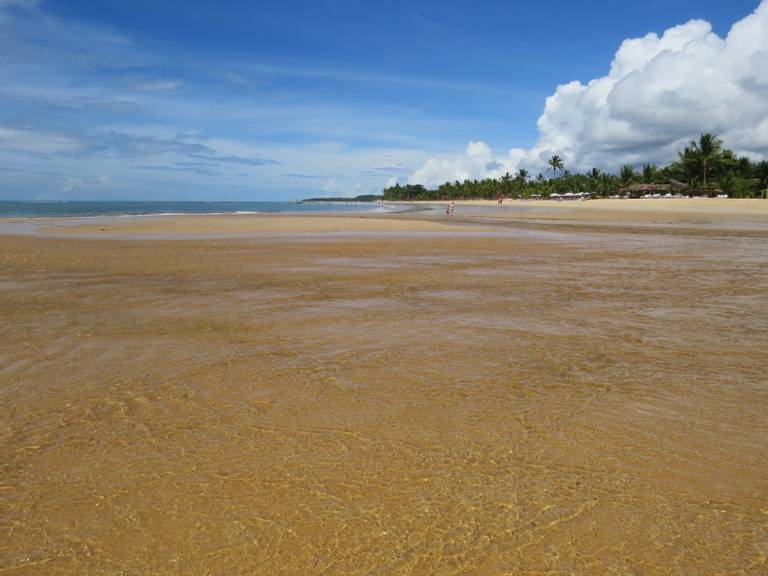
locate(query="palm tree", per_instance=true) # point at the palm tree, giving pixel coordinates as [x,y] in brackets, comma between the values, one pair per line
[650,173]
[555,164]
[627,174]
[506,181]
[706,153]
[687,165]
[521,179]
[595,177]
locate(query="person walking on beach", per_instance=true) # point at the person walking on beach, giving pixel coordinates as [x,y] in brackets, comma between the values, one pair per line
[451,207]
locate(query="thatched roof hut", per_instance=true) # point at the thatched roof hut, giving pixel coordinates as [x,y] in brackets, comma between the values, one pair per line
[640,188]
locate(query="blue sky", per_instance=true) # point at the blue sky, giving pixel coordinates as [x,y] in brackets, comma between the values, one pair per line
[256,100]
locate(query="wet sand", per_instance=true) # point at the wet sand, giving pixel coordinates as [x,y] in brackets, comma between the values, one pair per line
[585,404]
[249,224]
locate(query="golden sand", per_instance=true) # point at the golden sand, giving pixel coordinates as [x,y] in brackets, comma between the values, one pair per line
[256,224]
[646,210]
[577,404]
[712,205]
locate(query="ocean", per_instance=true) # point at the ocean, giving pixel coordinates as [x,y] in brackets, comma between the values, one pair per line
[97,208]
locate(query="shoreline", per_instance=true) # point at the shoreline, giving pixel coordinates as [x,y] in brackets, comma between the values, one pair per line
[472,217]
[212,226]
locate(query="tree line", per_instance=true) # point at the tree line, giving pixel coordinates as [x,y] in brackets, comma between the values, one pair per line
[704,166]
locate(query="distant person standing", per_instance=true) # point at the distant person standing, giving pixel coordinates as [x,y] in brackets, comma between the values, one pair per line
[451,207]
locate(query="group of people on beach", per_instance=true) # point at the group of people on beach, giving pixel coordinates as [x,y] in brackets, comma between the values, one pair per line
[449,209]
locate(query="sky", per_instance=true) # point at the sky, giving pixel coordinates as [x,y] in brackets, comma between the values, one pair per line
[253,100]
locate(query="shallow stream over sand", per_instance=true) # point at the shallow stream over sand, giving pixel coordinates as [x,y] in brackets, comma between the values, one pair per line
[437,405]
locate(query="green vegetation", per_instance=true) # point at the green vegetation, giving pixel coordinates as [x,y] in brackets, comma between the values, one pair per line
[555,164]
[704,167]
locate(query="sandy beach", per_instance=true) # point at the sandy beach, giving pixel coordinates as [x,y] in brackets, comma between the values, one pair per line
[581,402]
[471,217]
[709,211]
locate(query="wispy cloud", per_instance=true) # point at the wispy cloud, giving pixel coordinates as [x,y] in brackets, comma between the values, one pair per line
[38,142]
[157,85]
[83,101]
[238,160]
[305,176]
[28,4]
[178,167]
[353,77]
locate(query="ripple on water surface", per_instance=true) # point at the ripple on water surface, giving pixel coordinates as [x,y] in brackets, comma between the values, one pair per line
[181,408]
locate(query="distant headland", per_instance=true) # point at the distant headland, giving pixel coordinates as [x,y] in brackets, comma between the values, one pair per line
[361,198]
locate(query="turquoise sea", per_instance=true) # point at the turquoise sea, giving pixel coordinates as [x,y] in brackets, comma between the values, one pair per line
[96,208]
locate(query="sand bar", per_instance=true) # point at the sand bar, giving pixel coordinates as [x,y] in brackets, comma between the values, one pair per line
[249,224]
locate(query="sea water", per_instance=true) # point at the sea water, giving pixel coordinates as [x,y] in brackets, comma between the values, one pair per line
[114,208]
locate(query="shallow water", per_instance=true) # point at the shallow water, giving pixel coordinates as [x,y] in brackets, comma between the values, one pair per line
[43,209]
[450,405]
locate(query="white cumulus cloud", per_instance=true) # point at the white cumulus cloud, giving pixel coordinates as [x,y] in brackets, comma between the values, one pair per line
[660,92]
[477,161]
